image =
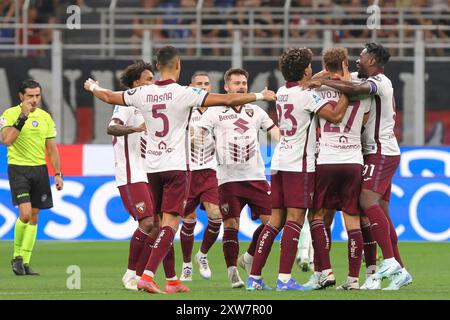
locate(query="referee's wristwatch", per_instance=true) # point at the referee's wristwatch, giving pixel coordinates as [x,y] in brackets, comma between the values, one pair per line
[59,174]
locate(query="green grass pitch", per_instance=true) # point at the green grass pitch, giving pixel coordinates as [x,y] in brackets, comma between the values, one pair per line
[102,265]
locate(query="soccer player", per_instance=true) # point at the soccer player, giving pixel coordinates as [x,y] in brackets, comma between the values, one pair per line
[29,132]
[338,176]
[203,191]
[240,169]
[293,165]
[166,106]
[129,142]
[381,159]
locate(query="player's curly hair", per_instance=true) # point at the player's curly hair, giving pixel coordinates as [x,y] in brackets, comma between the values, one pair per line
[332,58]
[293,63]
[232,71]
[380,53]
[133,72]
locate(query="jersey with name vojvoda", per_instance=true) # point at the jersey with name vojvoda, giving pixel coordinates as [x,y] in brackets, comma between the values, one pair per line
[29,147]
[341,143]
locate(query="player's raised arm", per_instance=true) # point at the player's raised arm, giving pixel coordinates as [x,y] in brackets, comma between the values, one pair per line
[346,87]
[106,95]
[336,114]
[237,99]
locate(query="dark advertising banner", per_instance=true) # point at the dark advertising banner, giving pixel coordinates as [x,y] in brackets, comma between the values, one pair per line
[85,119]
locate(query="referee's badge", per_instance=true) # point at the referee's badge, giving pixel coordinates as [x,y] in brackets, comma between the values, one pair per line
[35,123]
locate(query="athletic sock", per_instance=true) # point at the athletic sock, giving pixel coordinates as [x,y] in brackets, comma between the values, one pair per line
[187,239]
[252,247]
[380,229]
[210,235]
[288,244]
[29,239]
[265,241]
[137,243]
[19,231]
[160,248]
[230,246]
[355,247]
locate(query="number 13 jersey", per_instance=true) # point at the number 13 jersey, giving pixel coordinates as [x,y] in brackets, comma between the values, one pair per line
[166,106]
[296,107]
[341,143]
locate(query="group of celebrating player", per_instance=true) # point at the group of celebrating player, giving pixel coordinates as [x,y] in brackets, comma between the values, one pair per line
[336,150]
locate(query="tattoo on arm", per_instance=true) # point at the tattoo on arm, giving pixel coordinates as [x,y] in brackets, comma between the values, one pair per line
[120,130]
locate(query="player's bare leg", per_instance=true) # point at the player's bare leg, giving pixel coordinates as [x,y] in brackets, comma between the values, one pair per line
[370,203]
[246,260]
[209,238]
[403,278]
[264,245]
[355,247]
[231,250]
[289,241]
[187,243]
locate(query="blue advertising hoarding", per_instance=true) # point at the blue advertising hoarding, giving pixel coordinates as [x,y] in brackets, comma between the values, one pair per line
[89,208]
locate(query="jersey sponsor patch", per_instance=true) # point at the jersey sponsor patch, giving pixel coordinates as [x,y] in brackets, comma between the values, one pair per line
[197,90]
[317,98]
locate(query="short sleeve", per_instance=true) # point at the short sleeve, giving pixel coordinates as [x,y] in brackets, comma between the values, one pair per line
[7,119]
[132,97]
[51,128]
[266,123]
[314,102]
[376,85]
[194,97]
[122,114]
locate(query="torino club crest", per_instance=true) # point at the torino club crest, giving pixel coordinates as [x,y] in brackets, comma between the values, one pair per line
[225,208]
[140,207]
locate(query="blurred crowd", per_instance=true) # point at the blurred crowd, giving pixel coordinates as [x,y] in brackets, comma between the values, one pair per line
[232,13]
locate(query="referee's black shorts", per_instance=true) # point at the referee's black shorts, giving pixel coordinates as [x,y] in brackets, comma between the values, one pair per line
[30,184]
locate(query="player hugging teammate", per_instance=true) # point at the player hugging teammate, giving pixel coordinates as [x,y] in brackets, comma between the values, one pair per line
[351,172]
